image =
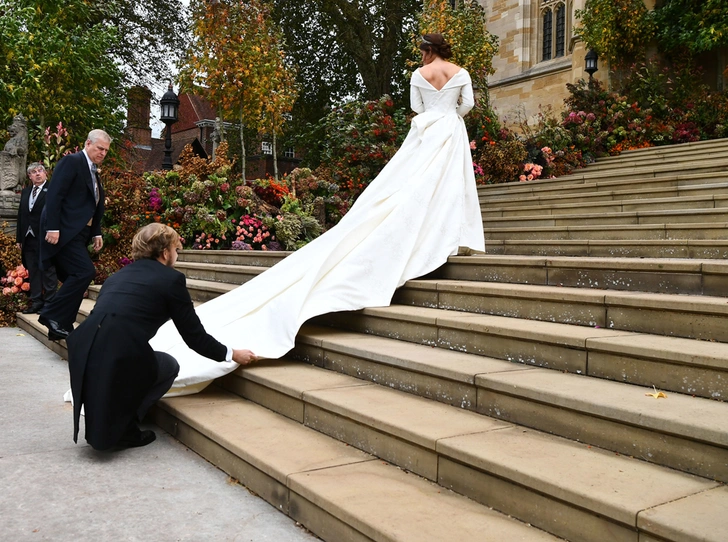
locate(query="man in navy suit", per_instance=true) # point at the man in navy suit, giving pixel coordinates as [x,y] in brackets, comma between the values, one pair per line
[71,219]
[32,199]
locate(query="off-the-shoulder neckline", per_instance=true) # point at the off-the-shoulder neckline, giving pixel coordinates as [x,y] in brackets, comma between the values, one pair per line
[446,83]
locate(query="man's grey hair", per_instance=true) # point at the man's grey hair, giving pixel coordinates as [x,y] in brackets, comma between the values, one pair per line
[35,165]
[95,135]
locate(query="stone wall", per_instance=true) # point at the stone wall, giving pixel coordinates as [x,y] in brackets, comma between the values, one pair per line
[523,83]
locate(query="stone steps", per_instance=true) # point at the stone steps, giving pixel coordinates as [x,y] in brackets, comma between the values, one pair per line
[678,364]
[622,248]
[708,200]
[715,151]
[611,232]
[541,479]
[293,453]
[662,217]
[335,490]
[563,187]
[712,148]
[635,337]
[658,275]
[688,316]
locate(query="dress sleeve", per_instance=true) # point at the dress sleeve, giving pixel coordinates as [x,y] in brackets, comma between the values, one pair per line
[416,102]
[189,326]
[467,100]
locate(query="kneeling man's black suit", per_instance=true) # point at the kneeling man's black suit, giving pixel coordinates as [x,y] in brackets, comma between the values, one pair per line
[114,371]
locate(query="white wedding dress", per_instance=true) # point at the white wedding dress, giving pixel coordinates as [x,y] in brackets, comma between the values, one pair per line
[419,210]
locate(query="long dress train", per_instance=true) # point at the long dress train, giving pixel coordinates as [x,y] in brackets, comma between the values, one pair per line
[418,211]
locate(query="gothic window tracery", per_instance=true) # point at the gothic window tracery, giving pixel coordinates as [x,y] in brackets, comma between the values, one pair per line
[554,25]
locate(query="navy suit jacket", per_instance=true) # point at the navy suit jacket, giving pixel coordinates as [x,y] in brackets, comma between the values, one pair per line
[70,203]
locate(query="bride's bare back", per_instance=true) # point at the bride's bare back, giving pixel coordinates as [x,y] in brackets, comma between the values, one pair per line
[439,72]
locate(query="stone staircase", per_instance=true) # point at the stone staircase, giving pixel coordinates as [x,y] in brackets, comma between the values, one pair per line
[504,397]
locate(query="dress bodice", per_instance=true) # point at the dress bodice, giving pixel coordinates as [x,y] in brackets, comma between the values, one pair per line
[456,96]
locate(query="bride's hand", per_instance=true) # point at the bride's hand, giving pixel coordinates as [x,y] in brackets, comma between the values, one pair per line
[244,357]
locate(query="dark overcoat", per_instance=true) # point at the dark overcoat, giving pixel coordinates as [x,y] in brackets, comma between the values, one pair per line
[70,204]
[111,363]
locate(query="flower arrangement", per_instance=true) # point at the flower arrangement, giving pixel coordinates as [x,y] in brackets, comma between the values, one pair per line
[530,172]
[15,281]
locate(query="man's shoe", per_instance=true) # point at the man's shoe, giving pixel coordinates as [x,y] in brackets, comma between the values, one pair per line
[34,308]
[55,330]
[141,439]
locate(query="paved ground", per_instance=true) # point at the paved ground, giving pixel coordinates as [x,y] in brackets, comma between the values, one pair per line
[53,489]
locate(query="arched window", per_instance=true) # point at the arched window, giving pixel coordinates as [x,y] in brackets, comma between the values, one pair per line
[554,27]
[547,34]
[560,30]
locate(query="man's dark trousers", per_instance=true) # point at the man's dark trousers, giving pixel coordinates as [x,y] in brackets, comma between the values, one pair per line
[40,280]
[76,271]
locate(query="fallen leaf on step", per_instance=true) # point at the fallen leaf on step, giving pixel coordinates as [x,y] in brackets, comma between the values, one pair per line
[20,334]
[657,394]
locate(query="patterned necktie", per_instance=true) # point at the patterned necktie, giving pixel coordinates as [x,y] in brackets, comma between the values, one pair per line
[96,182]
[35,191]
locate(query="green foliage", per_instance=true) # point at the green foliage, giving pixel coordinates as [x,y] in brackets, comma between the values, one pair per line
[124,213]
[693,26]
[237,61]
[55,66]
[618,30]
[347,50]
[464,27]
[151,35]
[355,141]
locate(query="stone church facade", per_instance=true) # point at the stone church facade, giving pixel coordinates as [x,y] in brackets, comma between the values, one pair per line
[539,53]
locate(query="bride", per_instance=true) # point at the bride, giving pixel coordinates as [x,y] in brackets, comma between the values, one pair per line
[419,210]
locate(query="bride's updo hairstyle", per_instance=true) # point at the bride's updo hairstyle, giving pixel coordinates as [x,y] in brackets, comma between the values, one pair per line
[152,239]
[436,44]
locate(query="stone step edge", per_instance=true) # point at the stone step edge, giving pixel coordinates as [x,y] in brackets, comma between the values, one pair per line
[324,414]
[697,213]
[589,187]
[609,227]
[671,364]
[547,210]
[667,148]
[715,166]
[288,487]
[661,265]
[684,417]
[582,195]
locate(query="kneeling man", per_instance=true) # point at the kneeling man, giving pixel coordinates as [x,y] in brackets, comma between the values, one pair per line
[115,373]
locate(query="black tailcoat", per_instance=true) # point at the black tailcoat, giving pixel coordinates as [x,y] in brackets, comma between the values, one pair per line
[111,363]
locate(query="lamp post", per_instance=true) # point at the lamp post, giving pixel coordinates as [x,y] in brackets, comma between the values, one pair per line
[591,60]
[170,106]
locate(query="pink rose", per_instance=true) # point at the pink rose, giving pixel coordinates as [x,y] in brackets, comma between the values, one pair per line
[25,287]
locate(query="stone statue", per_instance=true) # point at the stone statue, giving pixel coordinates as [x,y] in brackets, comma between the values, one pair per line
[13,158]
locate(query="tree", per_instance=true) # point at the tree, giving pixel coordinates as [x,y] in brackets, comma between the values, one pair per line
[348,50]
[56,67]
[696,27]
[151,35]
[236,60]
[618,30]
[464,27]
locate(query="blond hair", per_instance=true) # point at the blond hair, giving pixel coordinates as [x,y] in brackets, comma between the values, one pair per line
[150,241]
